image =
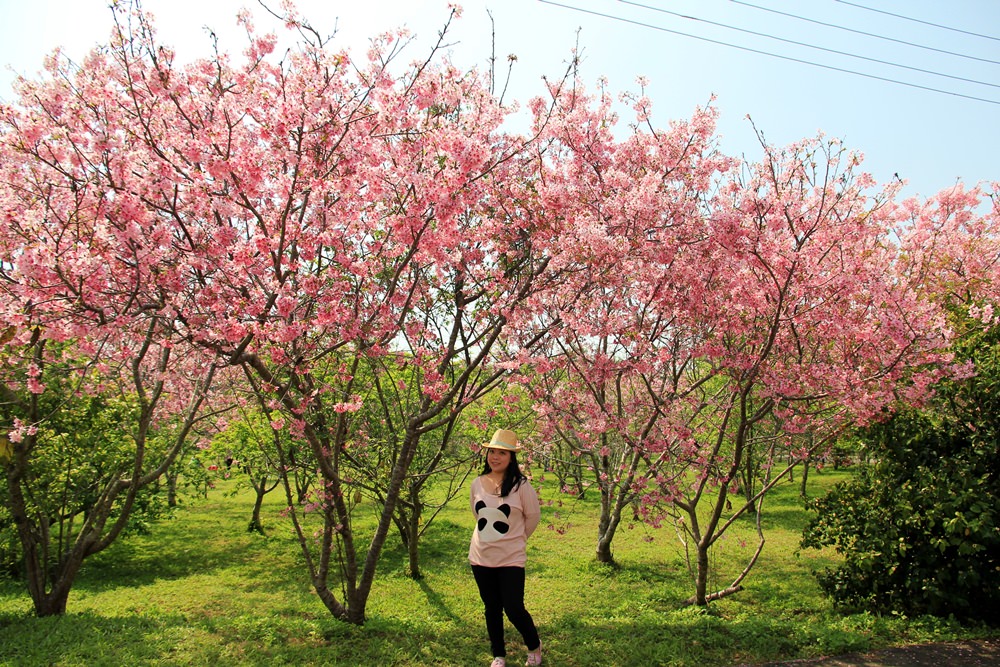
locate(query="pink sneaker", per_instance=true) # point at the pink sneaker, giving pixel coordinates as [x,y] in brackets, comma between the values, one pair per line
[534,657]
[498,662]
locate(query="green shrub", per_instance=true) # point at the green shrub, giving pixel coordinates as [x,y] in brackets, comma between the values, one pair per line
[918,525]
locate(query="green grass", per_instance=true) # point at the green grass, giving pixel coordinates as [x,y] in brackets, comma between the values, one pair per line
[202,591]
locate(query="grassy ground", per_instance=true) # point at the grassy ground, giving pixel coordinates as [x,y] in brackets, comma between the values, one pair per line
[203,591]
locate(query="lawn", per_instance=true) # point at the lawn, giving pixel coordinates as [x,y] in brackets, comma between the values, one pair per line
[200,590]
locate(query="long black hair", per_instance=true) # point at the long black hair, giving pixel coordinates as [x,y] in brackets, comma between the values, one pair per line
[512,476]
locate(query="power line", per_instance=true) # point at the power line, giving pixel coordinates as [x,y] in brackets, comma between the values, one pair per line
[866,34]
[767,53]
[910,18]
[808,46]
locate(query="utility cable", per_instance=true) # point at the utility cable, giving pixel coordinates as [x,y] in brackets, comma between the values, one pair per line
[866,34]
[767,53]
[910,18]
[808,46]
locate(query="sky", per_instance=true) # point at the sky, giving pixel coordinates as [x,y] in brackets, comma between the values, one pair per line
[914,85]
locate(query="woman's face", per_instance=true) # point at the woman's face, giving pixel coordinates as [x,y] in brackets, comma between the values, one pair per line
[498,459]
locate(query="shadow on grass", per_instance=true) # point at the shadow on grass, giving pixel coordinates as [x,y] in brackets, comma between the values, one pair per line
[444,545]
[790,519]
[185,546]
[685,637]
[590,635]
[438,602]
[73,638]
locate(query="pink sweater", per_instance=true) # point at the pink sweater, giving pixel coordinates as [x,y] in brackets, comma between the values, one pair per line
[503,525]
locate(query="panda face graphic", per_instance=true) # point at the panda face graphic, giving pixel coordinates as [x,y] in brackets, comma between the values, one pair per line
[492,521]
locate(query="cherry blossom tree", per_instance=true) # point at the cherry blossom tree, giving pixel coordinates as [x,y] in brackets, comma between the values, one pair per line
[302,218]
[86,327]
[773,309]
[816,328]
[633,206]
[951,248]
[87,284]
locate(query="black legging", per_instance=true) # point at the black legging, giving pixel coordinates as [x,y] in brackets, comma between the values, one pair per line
[502,590]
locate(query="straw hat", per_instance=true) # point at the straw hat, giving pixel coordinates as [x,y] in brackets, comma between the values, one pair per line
[503,439]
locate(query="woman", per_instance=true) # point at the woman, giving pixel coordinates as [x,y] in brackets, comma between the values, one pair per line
[507,512]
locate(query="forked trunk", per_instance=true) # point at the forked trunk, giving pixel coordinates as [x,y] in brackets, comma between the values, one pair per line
[412,547]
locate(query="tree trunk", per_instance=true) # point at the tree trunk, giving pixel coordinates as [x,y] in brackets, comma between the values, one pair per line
[53,602]
[701,581]
[49,597]
[356,581]
[407,519]
[611,516]
[581,488]
[172,488]
[255,525]
[301,489]
[747,477]
[51,605]
[412,545]
[49,584]
[604,538]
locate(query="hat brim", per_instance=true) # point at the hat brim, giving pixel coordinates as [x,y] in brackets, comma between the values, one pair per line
[505,448]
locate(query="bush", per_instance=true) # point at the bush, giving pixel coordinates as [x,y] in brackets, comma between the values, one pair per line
[918,525]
